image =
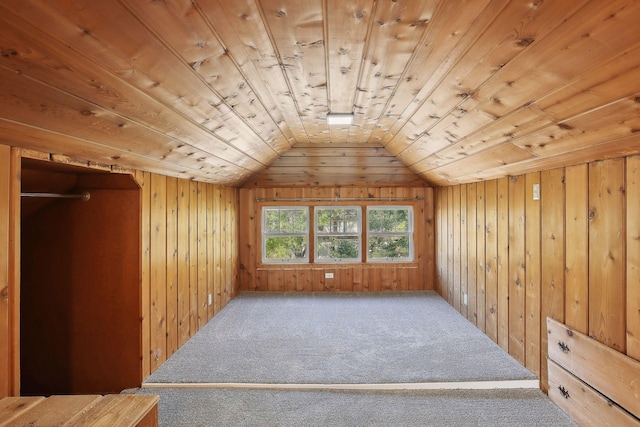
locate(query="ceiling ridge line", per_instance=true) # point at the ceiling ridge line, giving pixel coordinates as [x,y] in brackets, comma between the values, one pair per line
[201,79]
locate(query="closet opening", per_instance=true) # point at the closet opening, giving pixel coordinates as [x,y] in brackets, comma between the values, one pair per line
[80,280]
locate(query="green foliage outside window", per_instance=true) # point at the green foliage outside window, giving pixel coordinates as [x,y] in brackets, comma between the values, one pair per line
[285,234]
[338,234]
[389,232]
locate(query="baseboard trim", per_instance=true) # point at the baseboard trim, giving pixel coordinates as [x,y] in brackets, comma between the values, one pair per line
[465,385]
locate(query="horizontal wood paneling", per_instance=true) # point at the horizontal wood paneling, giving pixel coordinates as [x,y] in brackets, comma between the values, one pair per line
[579,261]
[416,275]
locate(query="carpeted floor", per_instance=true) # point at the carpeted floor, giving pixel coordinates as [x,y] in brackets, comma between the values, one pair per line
[354,338]
[339,338]
[459,408]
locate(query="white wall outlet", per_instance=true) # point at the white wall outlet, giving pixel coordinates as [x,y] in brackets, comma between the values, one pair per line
[210,299]
[328,275]
[464,299]
[536,191]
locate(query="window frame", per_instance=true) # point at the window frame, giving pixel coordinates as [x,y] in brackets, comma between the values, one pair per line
[266,235]
[409,233]
[317,234]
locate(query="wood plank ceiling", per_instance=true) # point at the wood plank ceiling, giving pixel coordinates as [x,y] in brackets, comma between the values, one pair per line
[218,91]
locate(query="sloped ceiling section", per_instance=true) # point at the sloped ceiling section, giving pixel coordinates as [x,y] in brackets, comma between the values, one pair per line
[217,91]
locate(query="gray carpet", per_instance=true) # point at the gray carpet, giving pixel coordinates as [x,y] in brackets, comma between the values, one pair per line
[339,338]
[214,407]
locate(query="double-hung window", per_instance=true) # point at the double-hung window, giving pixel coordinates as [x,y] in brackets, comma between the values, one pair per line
[389,233]
[285,233]
[338,234]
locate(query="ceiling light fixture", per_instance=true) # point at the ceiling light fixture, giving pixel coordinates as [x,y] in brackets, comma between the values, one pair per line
[340,118]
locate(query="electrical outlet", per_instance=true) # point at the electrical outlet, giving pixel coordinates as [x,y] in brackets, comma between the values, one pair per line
[464,299]
[210,299]
[328,275]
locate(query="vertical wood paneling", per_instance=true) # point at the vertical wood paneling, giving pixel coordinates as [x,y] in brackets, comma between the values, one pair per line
[516,297]
[184,238]
[451,251]
[633,257]
[533,277]
[503,263]
[203,259]
[456,247]
[607,290]
[480,256]
[444,243]
[158,270]
[552,187]
[5,295]
[464,256]
[194,257]
[491,258]
[472,271]
[14,270]
[144,180]
[172,265]
[577,253]
[427,246]
[212,286]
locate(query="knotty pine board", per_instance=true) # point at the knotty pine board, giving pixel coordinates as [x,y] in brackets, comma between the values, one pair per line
[502,262]
[533,276]
[633,256]
[472,260]
[517,283]
[577,253]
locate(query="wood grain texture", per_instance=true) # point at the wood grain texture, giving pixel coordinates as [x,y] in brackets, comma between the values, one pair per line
[218,92]
[577,253]
[633,256]
[503,263]
[616,379]
[533,277]
[607,289]
[584,404]
[517,268]
[5,296]
[491,259]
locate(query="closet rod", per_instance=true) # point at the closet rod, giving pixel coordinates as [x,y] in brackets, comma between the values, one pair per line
[84,195]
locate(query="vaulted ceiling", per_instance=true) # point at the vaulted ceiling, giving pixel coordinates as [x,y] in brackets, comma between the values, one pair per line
[220,90]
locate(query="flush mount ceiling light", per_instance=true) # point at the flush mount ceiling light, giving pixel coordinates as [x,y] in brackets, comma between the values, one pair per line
[340,118]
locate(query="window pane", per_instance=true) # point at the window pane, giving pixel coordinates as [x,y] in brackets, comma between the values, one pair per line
[388,247]
[292,247]
[324,220]
[333,247]
[285,221]
[272,220]
[337,220]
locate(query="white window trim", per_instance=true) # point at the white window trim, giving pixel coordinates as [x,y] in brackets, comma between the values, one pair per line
[266,235]
[409,233]
[317,234]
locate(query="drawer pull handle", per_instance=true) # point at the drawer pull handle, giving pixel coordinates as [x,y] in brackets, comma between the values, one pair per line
[564,392]
[563,347]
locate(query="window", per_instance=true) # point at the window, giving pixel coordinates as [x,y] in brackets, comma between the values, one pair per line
[389,233]
[337,234]
[285,232]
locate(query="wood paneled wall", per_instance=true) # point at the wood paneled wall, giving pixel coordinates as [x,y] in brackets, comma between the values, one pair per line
[188,249]
[573,255]
[189,260]
[360,277]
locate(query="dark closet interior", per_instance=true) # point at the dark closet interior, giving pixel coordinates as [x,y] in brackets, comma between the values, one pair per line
[80,281]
